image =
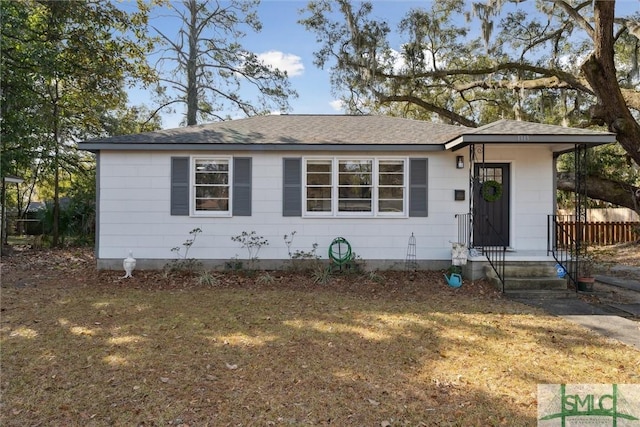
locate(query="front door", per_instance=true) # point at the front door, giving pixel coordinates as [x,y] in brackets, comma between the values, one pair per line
[491,204]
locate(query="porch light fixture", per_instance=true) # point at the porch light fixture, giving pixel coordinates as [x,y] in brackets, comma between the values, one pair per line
[459,162]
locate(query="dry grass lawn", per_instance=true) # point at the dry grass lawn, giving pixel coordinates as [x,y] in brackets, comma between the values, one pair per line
[82,348]
[624,253]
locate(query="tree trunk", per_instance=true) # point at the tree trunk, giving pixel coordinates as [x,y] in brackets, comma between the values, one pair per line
[618,193]
[56,159]
[599,69]
[3,224]
[56,203]
[192,64]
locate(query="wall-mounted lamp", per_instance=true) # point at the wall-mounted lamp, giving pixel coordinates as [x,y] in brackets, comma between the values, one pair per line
[459,162]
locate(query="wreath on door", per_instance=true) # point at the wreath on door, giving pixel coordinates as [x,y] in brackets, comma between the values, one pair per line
[491,190]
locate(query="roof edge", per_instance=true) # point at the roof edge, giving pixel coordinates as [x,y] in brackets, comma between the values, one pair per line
[467,139]
[96,147]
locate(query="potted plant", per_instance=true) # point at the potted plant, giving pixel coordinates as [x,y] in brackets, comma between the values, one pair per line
[585,274]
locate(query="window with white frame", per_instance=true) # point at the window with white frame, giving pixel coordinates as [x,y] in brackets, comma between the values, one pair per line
[391,186]
[344,187]
[211,178]
[319,185]
[355,186]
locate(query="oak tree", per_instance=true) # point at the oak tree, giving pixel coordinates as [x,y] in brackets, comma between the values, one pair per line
[549,61]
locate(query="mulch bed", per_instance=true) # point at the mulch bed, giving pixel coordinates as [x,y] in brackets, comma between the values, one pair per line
[73,267]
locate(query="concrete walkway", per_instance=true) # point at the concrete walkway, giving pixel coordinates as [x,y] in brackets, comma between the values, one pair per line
[628,285]
[631,284]
[604,319]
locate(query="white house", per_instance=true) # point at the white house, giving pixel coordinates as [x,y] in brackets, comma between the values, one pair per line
[372,180]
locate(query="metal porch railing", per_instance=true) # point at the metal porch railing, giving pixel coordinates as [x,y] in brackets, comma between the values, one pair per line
[464,229]
[495,254]
[562,245]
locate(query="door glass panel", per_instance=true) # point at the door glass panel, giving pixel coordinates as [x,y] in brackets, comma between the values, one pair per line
[490,174]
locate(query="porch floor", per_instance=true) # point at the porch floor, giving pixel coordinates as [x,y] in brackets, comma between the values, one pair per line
[514,255]
[532,264]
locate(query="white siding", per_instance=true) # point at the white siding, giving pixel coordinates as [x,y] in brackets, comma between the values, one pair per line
[135,201]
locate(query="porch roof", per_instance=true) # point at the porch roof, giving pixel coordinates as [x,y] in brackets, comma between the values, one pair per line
[559,138]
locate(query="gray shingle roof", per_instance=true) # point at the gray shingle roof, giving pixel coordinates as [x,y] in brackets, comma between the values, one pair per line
[300,129]
[343,132]
[559,138]
[516,127]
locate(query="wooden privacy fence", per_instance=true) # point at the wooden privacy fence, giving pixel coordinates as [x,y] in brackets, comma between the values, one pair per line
[600,233]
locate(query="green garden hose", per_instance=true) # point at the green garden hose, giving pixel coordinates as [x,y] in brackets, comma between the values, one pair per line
[340,251]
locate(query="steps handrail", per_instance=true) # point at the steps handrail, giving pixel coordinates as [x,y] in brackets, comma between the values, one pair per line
[497,261]
[563,255]
[495,254]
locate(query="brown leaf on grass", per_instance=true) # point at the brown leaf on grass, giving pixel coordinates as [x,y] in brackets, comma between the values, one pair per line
[387,340]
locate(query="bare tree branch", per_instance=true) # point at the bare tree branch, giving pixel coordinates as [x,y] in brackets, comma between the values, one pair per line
[632,98]
[211,65]
[620,194]
[573,12]
[157,110]
[563,76]
[456,118]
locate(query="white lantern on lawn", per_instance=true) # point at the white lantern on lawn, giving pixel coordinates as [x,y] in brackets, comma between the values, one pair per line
[129,265]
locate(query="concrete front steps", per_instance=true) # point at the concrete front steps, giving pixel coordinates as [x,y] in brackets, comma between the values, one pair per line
[528,294]
[530,279]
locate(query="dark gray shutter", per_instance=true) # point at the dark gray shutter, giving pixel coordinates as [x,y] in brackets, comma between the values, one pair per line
[418,187]
[292,187]
[242,186]
[179,186]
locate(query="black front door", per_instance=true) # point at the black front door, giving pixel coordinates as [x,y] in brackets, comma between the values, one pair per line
[491,204]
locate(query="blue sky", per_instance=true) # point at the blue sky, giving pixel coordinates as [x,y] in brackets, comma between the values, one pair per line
[282,33]
[287,45]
